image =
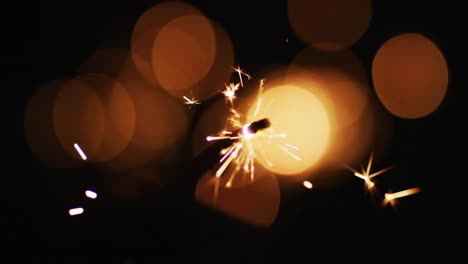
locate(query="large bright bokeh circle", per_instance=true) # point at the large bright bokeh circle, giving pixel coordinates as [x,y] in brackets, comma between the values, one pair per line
[301,117]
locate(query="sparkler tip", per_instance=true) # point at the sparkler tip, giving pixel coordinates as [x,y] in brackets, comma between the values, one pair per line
[259,125]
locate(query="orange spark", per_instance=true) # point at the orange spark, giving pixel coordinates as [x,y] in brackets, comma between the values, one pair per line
[308,184]
[230,92]
[365,173]
[190,101]
[240,72]
[391,197]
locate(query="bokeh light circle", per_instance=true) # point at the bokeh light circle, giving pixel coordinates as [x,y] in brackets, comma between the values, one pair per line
[338,78]
[119,114]
[330,25]
[183,54]
[410,75]
[39,128]
[147,28]
[256,204]
[161,122]
[79,117]
[299,115]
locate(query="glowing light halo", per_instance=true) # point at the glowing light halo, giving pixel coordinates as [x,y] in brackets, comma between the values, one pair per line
[295,113]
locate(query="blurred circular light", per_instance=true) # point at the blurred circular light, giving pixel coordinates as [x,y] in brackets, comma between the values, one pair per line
[257,203]
[161,122]
[183,54]
[146,30]
[79,118]
[119,111]
[39,128]
[410,75]
[339,79]
[299,132]
[330,25]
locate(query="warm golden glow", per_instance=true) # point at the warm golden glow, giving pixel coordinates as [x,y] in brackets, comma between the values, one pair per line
[330,25]
[410,75]
[308,184]
[299,131]
[339,79]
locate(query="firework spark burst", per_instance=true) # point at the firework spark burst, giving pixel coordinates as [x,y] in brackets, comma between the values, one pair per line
[246,148]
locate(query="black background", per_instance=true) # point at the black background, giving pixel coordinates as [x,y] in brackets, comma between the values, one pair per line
[50,40]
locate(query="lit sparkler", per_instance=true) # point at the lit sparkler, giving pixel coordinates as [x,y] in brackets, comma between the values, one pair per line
[391,197]
[245,148]
[366,175]
[80,151]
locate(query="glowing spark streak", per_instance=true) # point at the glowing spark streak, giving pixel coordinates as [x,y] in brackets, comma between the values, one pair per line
[359,175]
[235,171]
[78,149]
[366,179]
[75,211]
[240,72]
[252,167]
[263,154]
[379,172]
[91,194]
[259,98]
[308,184]
[283,135]
[369,164]
[191,101]
[288,152]
[233,155]
[291,146]
[231,149]
[390,197]
[211,138]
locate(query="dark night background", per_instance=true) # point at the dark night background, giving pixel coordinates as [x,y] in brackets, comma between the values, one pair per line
[50,41]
